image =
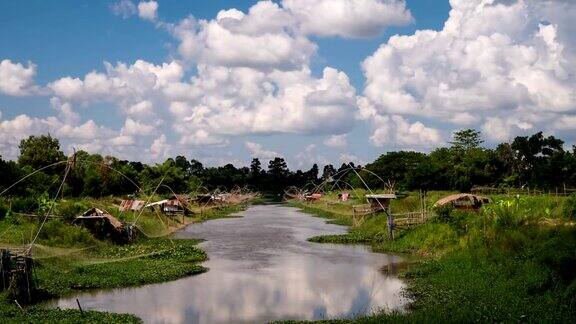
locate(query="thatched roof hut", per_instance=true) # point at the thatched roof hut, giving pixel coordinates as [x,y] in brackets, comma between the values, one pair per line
[103,225]
[463,201]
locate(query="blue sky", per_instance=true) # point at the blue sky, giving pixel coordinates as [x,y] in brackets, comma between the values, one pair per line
[396,101]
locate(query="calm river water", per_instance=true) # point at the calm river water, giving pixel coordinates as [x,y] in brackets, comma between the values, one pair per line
[263,269]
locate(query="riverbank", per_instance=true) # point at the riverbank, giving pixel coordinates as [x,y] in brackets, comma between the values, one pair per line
[513,261]
[68,259]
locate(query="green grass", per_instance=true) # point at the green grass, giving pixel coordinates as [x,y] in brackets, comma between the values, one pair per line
[515,261]
[10,313]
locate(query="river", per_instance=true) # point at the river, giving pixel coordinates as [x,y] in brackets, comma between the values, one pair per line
[263,269]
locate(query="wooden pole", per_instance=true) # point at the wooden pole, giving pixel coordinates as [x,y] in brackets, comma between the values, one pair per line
[390,226]
[79,307]
[421,206]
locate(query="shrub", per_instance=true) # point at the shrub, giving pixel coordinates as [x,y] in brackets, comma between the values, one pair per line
[4,208]
[507,213]
[56,233]
[457,219]
[444,213]
[25,204]
[69,210]
[570,207]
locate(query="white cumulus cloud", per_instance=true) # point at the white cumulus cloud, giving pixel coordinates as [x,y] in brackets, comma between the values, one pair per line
[17,79]
[505,65]
[348,18]
[257,151]
[262,38]
[148,10]
[336,141]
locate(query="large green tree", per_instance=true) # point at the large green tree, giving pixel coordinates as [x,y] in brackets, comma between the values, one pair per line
[467,139]
[40,151]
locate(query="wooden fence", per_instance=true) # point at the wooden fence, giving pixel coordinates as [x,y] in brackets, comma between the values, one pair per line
[411,218]
[558,191]
[361,212]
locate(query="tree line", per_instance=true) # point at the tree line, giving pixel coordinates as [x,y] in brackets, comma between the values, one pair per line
[536,161]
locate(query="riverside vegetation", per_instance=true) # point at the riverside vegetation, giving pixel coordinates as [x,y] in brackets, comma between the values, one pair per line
[69,259]
[514,261]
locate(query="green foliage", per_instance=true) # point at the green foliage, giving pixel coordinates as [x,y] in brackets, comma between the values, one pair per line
[11,313]
[27,204]
[467,139]
[444,213]
[535,161]
[45,204]
[4,208]
[570,207]
[513,261]
[58,234]
[147,261]
[70,209]
[40,151]
[394,166]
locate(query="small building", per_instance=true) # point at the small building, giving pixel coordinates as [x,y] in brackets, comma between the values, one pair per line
[173,205]
[380,202]
[103,225]
[134,205]
[463,201]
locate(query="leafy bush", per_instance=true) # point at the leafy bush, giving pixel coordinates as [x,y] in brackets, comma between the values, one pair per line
[56,233]
[4,208]
[457,219]
[570,207]
[444,213]
[45,204]
[24,204]
[508,213]
[69,210]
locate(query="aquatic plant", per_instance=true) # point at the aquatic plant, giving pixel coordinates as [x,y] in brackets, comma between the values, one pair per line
[513,261]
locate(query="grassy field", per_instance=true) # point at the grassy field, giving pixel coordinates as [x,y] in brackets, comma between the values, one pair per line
[514,261]
[69,259]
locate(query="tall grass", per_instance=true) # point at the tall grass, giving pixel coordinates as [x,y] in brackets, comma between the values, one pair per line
[513,261]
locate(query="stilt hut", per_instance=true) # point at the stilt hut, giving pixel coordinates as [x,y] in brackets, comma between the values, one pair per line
[380,202]
[16,275]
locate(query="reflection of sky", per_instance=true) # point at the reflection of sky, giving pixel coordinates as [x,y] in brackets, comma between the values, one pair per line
[261,269]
